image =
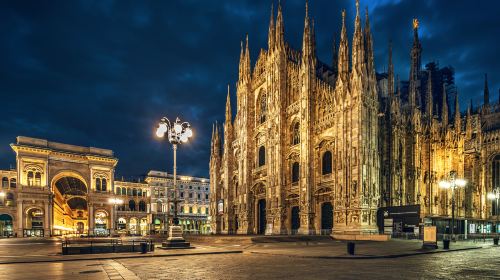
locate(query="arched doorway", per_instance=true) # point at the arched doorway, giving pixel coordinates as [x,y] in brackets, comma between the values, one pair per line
[261,226]
[101,223]
[122,224]
[34,223]
[144,226]
[295,220]
[326,218]
[71,213]
[132,226]
[80,227]
[6,227]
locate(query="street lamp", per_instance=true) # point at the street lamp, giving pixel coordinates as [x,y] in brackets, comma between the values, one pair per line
[452,184]
[495,195]
[115,201]
[177,133]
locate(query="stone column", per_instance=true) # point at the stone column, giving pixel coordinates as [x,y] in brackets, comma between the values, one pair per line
[20,218]
[112,219]
[91,218]
[46,222]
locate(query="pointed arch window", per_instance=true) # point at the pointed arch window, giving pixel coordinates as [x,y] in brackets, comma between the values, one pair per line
[326,163]
[296,133]
[262,108]
[262,156]
[295,172]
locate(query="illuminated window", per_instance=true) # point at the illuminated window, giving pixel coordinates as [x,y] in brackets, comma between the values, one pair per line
[5,182]
[38,179]
[30,178]
[13,183]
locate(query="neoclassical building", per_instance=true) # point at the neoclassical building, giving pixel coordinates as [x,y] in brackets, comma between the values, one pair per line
[319,148]
[193,201]
[59,189]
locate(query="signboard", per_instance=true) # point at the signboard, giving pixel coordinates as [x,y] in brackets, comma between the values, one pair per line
[220,206]
[404,218]
[430,236]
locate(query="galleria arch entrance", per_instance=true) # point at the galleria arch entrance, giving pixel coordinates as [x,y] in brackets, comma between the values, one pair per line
[70,205]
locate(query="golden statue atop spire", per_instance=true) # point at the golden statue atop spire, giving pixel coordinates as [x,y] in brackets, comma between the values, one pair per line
[415,23]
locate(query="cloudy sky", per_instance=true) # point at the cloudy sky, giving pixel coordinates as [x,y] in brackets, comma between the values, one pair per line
[102,73]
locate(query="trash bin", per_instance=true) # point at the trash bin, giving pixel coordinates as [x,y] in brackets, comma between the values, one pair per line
[350,248]
[446,244]
[495,240]
[152,246]
[144,247]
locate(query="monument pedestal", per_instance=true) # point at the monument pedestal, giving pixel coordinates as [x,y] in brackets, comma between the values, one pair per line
[175,239]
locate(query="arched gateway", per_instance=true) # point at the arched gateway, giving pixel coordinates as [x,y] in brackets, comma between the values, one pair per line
[63,189]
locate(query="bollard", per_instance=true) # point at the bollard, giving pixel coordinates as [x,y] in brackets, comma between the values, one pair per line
[495,240]
[144,247]
[446,244]
[152,246]
[350,248]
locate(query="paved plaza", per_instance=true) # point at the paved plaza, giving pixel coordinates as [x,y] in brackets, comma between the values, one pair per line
[226,259]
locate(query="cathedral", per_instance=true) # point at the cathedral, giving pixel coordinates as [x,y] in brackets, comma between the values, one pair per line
[333,149]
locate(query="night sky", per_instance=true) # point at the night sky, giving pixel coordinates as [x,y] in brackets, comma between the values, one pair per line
[102,73]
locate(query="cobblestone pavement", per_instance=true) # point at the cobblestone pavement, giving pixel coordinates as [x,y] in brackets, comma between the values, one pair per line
[473,264]
[272,261]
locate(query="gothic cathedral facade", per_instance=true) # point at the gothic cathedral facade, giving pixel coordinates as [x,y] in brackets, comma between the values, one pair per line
[317,148]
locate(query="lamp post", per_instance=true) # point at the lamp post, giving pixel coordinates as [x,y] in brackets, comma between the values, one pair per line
[177,133]
[452,184]
[495,195]
[115,201]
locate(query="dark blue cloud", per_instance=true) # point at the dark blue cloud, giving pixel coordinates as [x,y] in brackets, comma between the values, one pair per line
[102,73]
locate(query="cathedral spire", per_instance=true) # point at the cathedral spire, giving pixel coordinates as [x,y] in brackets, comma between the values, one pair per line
[358,57]
[458,121]
[369,47]
[335,57]
[228,108]
[217,146]
[343,57]
[280,40]
[468,121]
[415,66]
[444,113]
[390,73]
[429,100]
[313,40]
[242,59]
[486,91]
[307,45]
[272,32]
[246,63]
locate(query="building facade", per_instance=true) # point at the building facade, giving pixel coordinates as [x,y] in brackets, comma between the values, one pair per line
[193,201]
[59,189]
[317,148]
